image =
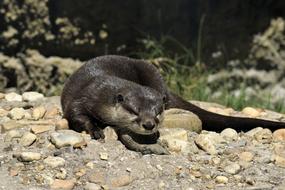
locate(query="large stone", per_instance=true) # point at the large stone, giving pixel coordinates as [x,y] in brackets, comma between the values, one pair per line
[10,97]
[66,138]
[178,118]
[32,96]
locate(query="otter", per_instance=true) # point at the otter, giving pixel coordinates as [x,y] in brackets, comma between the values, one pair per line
[130,95]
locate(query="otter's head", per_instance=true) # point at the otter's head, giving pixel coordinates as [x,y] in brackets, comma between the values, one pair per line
[138,110]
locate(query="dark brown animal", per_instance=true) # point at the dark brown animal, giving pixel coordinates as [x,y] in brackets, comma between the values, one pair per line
[131,96]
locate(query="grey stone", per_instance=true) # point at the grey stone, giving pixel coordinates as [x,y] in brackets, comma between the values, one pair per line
[66,138]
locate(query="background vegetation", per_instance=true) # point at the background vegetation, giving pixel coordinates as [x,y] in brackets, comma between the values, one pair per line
[230,52]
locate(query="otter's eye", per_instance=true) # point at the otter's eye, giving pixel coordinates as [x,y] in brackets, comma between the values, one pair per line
[120,98]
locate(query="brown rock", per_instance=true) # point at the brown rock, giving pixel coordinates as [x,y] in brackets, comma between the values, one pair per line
[121,181]
[279,135]
[61,124]
[2,96]
[206,143]
[52,112]
[264,136]
[37,129]
[279,149]
[98,178]
[3,112]
[246,156]
[178,118]
[280,161]
[38,112]
[251,112]
[13,171]
[63,184]
[9,125]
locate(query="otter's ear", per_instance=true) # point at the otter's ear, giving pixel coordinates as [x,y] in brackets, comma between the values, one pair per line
[119,98]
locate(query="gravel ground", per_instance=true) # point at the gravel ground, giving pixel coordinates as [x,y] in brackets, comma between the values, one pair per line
[37,151]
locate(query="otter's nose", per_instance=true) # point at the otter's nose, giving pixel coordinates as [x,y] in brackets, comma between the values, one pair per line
[148,125]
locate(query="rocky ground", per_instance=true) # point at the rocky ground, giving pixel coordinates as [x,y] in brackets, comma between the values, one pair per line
[37,151]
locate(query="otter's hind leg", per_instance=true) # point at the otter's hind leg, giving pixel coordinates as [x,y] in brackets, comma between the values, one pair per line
[129,142]
[83,122]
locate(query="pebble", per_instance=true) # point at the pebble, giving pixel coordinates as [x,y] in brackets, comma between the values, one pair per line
[221,179]
[92,186]
[2,96]
[110,134]
[90,165]
[9,125]
[263,136]
[221,111]
[54,162]
[103,156]
[32,96]
[10,97]
[246,156]
[17,113]
[253,131]
[279,149]
[52,111]
[66,138]
[229,134]
[38,112]
[28,156]
[251,112]
[3,112]
[37,129]
[12,134]
[280,161]
[80,173]
[98,178]
[279,135]
[28,139]
[63,184]
[178,118]
[61,124]
[121,181]
[173,133]
[233,168]
[62,174]
[205,143]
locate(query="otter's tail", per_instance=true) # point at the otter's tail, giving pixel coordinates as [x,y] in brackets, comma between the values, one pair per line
[216,122]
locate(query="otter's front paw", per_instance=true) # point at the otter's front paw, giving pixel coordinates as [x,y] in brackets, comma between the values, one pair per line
[154,149]
[97,134]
